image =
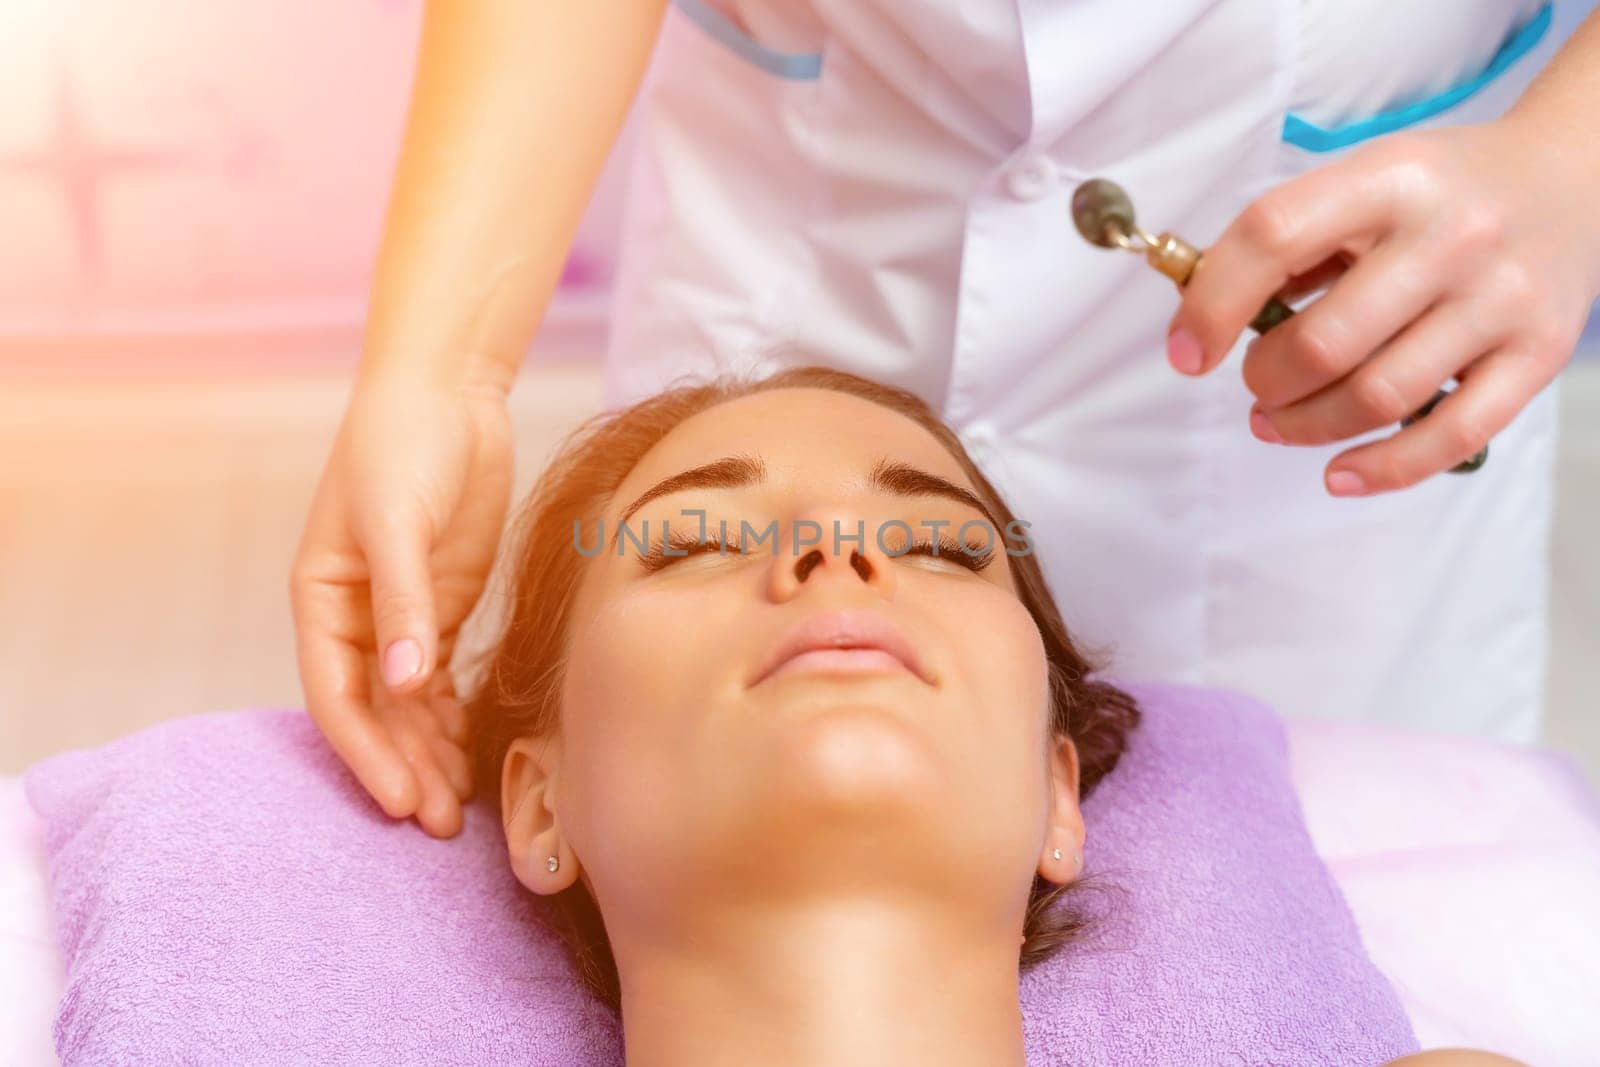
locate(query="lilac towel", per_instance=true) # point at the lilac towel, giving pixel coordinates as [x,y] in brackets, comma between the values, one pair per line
[224,892]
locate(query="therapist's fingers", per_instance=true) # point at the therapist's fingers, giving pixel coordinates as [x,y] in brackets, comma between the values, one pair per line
[1492,390]
[454,763]
[1372,302]
[397,549]
[413,722]
[333,673]
[453,718]
[1287,231]
[1317,278]
[439,810]
[428,713]
[449,713]
[1397,381]
[449,757]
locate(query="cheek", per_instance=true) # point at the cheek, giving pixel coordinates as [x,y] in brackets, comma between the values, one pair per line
[623,651]
[627,715]
[1006,657]
[1004,678]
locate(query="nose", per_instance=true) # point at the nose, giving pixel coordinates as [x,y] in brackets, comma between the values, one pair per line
[831,548]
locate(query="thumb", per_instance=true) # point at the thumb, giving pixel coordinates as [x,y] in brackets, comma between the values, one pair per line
[402,604]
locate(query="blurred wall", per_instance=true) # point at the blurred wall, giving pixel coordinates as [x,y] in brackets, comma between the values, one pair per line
[178,174]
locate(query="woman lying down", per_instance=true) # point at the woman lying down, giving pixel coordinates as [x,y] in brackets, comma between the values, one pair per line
[823,792]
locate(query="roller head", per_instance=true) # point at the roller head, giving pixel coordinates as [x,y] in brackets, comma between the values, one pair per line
[1100,210]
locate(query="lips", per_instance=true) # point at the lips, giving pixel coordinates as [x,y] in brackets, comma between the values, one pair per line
[844,629]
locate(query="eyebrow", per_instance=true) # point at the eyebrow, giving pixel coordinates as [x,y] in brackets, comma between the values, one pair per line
[738,471]
[729,472]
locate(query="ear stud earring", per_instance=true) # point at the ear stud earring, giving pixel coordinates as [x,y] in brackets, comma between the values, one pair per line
[551,864]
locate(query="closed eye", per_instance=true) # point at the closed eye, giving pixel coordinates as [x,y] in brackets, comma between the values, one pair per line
[683,546]
[974,556]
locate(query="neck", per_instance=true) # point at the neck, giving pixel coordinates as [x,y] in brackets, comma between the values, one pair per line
[841,983]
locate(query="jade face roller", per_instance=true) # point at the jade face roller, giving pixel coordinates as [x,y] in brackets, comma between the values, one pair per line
[1104,216]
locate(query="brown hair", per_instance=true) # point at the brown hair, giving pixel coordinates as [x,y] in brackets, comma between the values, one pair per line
[518,691]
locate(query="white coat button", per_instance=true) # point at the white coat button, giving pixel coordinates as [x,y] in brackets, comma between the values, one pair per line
[1031,177]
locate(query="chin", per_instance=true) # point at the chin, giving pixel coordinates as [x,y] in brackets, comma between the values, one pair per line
[855,754]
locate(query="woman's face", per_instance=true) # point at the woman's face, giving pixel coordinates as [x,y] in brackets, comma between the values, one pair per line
[680,771]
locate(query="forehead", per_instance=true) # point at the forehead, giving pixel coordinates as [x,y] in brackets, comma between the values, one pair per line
[795,431]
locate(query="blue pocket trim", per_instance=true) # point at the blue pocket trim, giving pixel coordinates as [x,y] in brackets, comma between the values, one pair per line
[799,66]
[1297,131]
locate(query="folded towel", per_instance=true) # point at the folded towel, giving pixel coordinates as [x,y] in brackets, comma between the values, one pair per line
[225,892]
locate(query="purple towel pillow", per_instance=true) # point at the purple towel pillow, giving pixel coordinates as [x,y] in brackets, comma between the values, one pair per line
[225,892]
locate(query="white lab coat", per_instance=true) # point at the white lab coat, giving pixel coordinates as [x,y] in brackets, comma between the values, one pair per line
[884,186]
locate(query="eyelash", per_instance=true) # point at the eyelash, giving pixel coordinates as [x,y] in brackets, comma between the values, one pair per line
[949,548]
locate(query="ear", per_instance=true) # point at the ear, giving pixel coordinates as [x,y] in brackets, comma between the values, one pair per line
[1064,826]
[527,803]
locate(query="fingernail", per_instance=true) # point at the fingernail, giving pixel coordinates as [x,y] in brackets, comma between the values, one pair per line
[1262,427]
[1183,350]
[1346,483]
[402,660]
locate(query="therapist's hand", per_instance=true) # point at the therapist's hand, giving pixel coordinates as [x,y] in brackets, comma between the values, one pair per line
[1470,252]
[400,540]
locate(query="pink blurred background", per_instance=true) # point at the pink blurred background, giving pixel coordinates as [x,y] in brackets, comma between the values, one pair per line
[187,181]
